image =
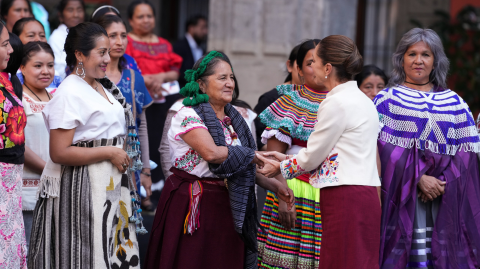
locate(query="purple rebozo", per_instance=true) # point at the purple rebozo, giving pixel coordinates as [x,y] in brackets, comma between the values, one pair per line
[428,133]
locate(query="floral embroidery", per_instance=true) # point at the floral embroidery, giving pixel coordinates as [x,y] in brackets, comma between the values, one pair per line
[125,84]
[188,161]
[7,106]
[2,97]
[30,182]
[290,168]
[327,171]
[16,122]
[190,120]
[34,106]
[12,233]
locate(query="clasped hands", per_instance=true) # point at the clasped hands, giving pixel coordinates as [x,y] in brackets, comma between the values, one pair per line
[268,162]
[268,165]
[430,188]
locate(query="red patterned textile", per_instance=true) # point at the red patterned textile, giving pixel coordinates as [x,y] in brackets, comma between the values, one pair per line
[154,58]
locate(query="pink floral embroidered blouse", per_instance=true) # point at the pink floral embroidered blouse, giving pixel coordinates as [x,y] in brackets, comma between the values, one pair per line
[184,157]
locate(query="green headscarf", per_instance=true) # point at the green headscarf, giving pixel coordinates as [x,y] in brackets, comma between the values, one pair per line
[191,90]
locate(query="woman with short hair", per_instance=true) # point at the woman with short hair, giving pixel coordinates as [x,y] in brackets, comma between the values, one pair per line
[341,159]
[430,179]
[88,208]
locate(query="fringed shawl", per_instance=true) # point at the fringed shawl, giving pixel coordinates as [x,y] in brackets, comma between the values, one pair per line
[428,134]
[293,115]
[440,121]
[240,173]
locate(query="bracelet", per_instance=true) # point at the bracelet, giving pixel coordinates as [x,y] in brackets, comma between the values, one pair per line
[147,174]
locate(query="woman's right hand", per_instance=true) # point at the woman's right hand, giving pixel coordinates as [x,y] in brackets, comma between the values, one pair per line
[274,155]
[430,188]
[119,158]
[287,217]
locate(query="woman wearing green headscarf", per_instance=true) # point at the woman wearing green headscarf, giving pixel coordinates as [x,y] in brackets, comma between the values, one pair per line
[206,216]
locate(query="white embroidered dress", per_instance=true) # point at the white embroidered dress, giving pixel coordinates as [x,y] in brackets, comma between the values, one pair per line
[183,156]
[38,140]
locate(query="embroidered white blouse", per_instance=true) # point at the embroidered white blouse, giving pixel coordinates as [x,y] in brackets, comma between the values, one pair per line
[342,148]
[77,105]
[184,157]
[38,140]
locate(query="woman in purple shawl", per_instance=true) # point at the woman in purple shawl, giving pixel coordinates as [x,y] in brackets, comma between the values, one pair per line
[427,145]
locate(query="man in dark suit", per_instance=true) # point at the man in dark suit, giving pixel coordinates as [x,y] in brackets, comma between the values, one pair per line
[189,47]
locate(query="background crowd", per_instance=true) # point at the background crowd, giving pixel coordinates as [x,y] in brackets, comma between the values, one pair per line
[357,169]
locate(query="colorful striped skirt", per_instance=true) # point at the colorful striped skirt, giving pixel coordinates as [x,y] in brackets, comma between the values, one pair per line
[297,248]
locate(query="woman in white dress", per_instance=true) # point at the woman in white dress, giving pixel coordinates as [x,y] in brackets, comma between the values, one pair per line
[37,66]
[88,208]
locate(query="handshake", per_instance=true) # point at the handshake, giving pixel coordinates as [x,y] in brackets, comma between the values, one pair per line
[269,176]
[268,162]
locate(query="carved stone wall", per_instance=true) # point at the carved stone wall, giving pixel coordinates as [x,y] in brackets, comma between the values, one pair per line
[258,35]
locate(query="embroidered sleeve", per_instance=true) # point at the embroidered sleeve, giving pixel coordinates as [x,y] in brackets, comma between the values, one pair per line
[184,121]
[291,169]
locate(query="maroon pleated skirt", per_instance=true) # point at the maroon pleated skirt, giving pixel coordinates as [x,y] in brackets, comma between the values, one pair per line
[215,244]
[351,227]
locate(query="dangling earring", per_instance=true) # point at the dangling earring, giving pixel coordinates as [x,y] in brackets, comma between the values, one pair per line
[325,76]
[82,74]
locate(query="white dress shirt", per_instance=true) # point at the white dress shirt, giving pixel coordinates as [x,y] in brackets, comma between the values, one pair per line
[197,51]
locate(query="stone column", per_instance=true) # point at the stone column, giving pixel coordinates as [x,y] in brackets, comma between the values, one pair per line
[258,35]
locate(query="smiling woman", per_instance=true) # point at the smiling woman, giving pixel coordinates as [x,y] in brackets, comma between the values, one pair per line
[208,203]
[89,174]
[30,30]
[132,85]
[37,66]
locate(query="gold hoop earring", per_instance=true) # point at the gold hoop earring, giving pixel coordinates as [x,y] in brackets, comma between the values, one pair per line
[82,73]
